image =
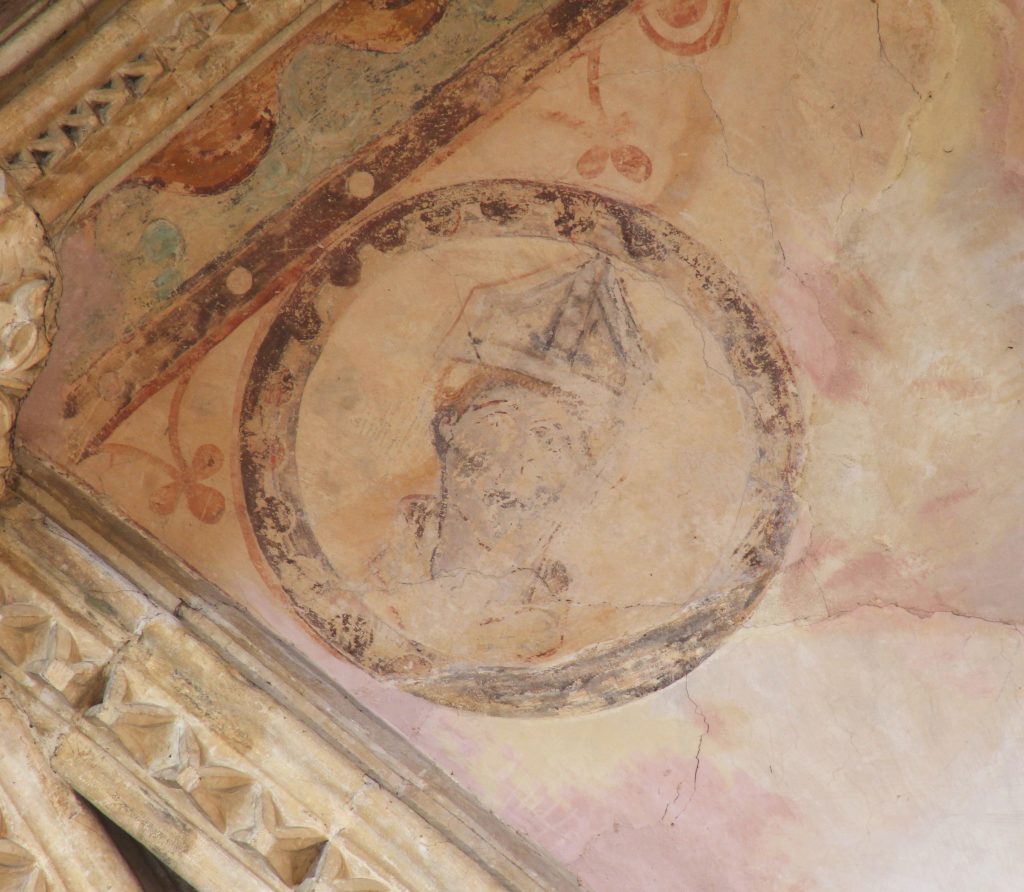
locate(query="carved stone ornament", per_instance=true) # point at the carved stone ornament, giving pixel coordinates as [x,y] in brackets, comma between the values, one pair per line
[235,765]
[49,841]
[28,274]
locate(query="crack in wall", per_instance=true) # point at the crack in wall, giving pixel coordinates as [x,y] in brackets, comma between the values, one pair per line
[753,177]
[917,612]
[696,762]
[883,54]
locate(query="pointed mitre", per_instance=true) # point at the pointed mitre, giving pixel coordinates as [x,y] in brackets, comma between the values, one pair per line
[571,328]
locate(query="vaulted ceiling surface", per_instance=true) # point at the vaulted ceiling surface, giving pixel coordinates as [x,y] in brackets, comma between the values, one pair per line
[621,400]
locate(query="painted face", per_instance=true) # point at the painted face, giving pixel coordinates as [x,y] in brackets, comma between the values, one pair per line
[510,457]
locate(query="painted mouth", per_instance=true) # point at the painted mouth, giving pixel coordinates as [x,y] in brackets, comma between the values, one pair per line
[502,498]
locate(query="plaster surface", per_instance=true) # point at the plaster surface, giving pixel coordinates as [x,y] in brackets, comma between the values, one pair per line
[857,167]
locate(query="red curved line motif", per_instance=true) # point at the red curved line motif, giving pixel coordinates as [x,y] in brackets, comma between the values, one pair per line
[692,48]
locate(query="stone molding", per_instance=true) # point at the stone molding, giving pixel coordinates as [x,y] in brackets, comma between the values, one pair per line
[28,272]
[39,25]
[128,82]
[49,841]
[212,745]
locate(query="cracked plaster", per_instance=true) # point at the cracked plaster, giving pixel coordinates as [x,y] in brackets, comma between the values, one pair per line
[858,165]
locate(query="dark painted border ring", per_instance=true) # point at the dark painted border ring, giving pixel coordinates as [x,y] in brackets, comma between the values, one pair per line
[602,674]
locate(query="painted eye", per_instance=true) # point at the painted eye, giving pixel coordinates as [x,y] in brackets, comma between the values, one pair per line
[473,463]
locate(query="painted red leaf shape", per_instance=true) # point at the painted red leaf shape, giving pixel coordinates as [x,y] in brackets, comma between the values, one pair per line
[632,163]
[207,461]
[592,162]
[205,503]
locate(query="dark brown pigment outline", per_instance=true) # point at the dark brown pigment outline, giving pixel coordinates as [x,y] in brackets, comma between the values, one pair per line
[279,250]
[599,675]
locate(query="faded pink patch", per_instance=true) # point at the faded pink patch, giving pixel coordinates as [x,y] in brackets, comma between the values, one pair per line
[810,343]
[728,838]
[874,577]
[830,319]
[988,583]
[881,577]
[955,388]
[941,504]
[88,316]
[1003,122]
[90,313]
[568,818]
[803,574]
[981,583]
[408,714]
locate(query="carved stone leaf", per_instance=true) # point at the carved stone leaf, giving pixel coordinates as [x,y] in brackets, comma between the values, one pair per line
[13,858]
[27,274]
[19,871]
[331,873]
[227,797]
[34,640]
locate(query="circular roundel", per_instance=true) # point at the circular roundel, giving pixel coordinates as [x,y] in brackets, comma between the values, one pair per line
[521,448]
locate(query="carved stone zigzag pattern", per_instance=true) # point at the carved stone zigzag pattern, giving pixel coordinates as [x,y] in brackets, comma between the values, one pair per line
[128,82]
[19,871]
[42,647]
[235,802]
[97,108]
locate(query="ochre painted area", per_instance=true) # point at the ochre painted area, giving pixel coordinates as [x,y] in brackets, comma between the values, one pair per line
[409,384]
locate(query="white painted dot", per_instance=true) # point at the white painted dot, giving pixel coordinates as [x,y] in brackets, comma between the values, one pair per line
[239,280]
[361,184]
[487,87]
[110,386]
